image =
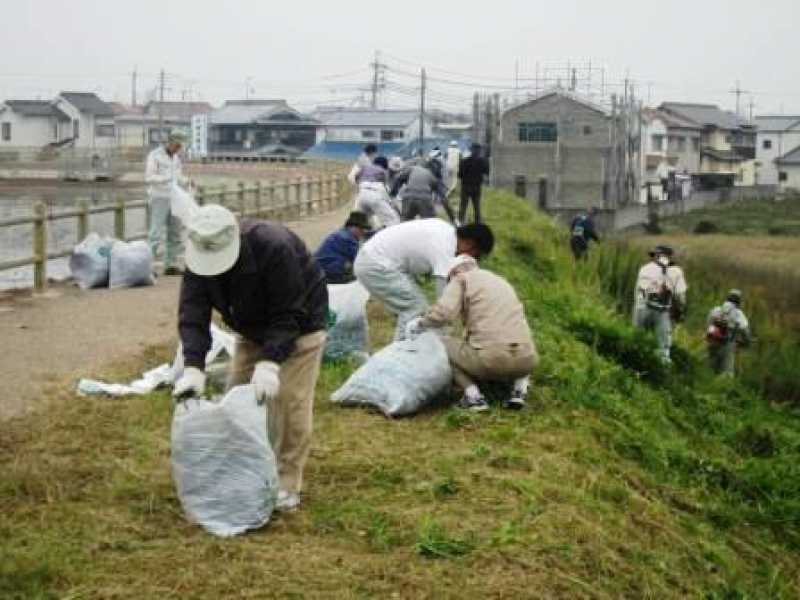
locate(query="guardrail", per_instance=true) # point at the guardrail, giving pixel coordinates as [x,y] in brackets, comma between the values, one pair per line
[285,200]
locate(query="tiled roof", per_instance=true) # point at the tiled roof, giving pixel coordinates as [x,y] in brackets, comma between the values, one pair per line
[238,112]
[704,114]
[790,158]
[89,103]
[575,97]
[360,117]
[36,108]
[777,122]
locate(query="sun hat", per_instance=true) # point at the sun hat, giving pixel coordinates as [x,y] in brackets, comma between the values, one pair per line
[663,250]
[177,136]
[213,241]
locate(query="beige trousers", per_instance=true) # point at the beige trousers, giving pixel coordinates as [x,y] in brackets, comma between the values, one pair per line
[493,362]
[290,413]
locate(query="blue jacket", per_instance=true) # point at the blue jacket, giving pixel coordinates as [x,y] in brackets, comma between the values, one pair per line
[337,253]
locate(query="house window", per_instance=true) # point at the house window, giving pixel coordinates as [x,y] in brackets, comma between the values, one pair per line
[538,132]
[783,176]
[368,134]
[658,143]
[767,144]
[387,135]
[104,131]
[696,144]
[729,139]
[587,130]
[6,132]
[76,129]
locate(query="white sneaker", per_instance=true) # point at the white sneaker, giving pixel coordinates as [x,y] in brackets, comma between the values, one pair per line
[287,501]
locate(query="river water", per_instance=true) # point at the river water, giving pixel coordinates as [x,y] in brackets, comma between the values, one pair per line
[19,198]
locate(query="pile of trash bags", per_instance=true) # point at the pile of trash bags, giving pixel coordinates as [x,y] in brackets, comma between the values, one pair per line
[223,466]
[101,261]
[400,379]
[348,333]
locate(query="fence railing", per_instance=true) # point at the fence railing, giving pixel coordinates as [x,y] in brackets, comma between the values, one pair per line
[286,200]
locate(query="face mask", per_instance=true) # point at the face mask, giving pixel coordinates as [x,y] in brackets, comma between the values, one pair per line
[663,261]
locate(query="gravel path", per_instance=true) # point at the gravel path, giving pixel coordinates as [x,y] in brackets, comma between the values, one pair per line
[70,333]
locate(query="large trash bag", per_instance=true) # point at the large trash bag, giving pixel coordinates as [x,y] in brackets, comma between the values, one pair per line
[349,333]
[400,379]
[222,463]
[89,261]
[182,204]
[130,265]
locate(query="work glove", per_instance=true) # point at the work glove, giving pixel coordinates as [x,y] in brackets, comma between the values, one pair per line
[192,383]
[414,328]
[266,381]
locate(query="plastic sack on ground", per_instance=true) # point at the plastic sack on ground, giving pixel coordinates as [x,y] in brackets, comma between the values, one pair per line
[89,262]
[130,265]
[182,204]
[349,334]
[222,464]
[400,379]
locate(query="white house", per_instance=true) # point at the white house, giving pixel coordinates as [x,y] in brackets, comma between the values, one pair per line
[363,126]
[145,126]
[788,167]
[32,123]
[91,120]
[776,136]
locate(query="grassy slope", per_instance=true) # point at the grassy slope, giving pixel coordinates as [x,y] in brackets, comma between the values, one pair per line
[606,488]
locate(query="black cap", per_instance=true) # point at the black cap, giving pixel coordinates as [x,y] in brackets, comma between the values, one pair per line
[480,233]
[358,219]
[660,249]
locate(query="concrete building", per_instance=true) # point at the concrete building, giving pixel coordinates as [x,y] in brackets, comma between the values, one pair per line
[563,151]
[776,136]
[138,126]
[32,124]
[248,126]
[727,142]
[91,120]
[788,167]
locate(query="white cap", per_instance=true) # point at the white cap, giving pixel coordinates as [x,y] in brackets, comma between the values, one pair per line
[454,144]
[213,241]
[435,153]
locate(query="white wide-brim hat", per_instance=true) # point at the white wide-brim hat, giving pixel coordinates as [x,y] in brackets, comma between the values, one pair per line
[213,241]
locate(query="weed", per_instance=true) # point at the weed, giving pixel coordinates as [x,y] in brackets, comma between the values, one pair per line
[434,542]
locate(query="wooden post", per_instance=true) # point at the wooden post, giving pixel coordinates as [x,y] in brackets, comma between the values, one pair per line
[258,200]
[83,220]
[242,202]
[119,220]
[40,247]
[270,202]
[286,200]
[200,196]
[309,197]
[298,198]
[329,192]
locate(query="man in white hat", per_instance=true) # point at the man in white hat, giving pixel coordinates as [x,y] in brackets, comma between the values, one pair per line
[162,172]
[268,288]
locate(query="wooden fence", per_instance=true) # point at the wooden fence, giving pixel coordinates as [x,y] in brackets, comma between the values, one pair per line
[285,200]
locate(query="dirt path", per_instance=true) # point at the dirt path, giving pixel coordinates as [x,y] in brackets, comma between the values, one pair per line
[69,332]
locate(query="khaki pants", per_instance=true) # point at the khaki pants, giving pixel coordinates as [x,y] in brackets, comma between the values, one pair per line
[494,362]
[290,413]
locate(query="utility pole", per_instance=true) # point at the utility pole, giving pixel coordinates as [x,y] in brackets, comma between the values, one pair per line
[738,91]
[751,105]
[161,106]
[422,111]
[377,79]
[133,87]
[476,116]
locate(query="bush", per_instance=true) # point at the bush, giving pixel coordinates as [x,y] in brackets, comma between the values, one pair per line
[705,227]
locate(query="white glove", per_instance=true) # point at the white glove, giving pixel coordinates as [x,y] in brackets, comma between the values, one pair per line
[265,380]
[414,328]
[192,383]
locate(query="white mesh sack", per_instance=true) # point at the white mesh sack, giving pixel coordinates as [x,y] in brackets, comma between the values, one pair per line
[130,265]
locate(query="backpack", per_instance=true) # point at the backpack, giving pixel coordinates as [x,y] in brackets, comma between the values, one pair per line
[719,332]
[578,226]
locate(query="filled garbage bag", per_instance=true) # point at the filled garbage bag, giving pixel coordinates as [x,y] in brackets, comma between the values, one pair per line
[182,204]
[222,463]
[130,265]
[348,334]
[400,379]
[88,262]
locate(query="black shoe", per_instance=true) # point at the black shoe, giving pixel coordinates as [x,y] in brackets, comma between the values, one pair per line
[515,402]
[475,404]
[173,271]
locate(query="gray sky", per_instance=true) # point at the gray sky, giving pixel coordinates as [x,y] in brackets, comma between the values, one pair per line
[320,52]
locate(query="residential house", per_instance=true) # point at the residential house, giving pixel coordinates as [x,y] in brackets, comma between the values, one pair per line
[557,148]
[91,120]
[248,126]
[670,148]
[788,167]
[777,136]
[727,142]
[148,125]
[32,123]
[345,131]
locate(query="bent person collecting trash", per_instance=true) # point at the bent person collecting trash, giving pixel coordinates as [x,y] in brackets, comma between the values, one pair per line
[728,328]
[261,278]
[660,298]
[497,344]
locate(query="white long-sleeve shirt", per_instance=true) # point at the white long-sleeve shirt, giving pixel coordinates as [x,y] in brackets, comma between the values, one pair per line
[653,278]
[162,171]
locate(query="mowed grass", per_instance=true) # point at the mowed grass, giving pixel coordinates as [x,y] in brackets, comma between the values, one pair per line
[581,496]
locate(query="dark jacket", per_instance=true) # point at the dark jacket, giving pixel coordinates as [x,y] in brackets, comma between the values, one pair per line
[472,170]
[274,294]
[419,181]
[583,227]
[337,253]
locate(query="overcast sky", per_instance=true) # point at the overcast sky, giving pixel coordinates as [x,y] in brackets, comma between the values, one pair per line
[315,52]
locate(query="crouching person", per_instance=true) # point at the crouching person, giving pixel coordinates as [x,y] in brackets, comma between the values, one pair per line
[266,286]
[497,344]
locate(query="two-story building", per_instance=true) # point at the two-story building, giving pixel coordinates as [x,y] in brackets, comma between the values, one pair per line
[32,123]
[91,120]
[788,166]
[727,142]
[777,135]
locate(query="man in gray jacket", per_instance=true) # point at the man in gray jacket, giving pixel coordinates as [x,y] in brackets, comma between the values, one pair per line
[420,186]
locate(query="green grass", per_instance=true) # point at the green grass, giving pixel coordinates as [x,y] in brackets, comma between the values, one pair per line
[613,484]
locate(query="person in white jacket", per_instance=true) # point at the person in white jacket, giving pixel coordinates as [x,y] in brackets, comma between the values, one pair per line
[163,171]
